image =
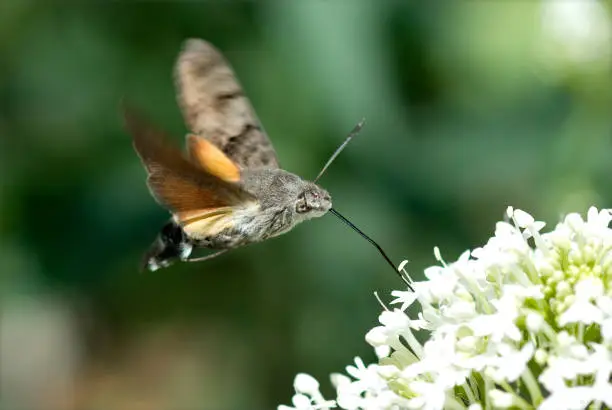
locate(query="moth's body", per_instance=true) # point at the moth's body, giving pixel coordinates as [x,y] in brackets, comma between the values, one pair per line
[228,190]
[276,212]
[273,213]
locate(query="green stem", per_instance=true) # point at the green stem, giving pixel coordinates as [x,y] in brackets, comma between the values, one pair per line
[452,403]
[549,332]
[596,405]
[533,387]
[488,386]
[469,393]
[414,344]
[518,400]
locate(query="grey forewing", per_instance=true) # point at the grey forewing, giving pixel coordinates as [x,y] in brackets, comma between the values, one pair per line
[215,107]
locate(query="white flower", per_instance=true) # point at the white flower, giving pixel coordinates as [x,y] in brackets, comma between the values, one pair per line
[524,321]
[368,390]
[501,323]
[534,321]
[582,309]
[428,395]
[501,399]
[306,384]
[308,396]
[511,363]
[406,298]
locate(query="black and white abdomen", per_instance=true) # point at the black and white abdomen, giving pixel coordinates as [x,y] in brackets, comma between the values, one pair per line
[170,245]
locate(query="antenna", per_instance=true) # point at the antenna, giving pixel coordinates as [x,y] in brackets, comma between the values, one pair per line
[348,139]
[377,246]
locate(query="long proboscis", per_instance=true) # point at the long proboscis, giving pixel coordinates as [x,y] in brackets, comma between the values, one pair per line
[348,139]
[373,242]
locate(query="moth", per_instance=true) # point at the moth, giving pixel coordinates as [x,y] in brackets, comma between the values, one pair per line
[227,190]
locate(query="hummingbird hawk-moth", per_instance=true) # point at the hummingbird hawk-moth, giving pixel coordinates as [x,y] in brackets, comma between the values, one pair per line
[228,189]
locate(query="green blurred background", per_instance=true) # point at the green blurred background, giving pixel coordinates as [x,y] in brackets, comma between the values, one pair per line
[470,107]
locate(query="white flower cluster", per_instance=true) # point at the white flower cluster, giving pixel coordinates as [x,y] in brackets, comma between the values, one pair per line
[523,322]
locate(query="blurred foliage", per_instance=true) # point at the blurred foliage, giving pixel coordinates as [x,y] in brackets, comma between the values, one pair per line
[470,107]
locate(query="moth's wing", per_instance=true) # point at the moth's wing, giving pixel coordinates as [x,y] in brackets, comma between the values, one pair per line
[188,191]
[210,158]
[215,107]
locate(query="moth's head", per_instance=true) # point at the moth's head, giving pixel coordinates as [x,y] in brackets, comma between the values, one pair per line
[313,201]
